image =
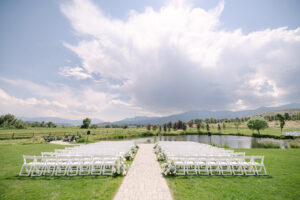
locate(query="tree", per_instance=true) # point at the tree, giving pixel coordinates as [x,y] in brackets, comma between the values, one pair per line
[169,125]
[165,127]
[219,128]
[86,123]
[198,127]
[94,126]
[148,127]
[224,126]
[190,123]
[207,127]
[179,124]
[125,126]
[202,125]
[237,124]
[174,126]
[184,126]
[287,116]
[50,125]
[281,120]
[257,124]
[154,127]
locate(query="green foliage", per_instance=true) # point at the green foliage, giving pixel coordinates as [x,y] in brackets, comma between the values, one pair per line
[294,145]
[125,126]
[81,140]
[154,127]
[94,126]
[224,126]
[207,127]
[219,127]
[11,122]
[86,123]
[281,120]
[268,145]
[237,124]
[257,124]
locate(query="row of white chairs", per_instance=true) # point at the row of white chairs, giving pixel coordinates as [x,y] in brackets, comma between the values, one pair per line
[67,165]
[219,165]
[90,159]
[193,158]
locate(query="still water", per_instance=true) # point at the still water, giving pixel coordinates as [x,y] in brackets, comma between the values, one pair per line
[230,140]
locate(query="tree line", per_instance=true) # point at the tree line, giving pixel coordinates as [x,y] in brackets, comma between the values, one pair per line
[10,121]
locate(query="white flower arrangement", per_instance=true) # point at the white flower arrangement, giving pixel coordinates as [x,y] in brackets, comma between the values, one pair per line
[168,168]
[161,156]
[120,167]
[157,150]
[129,155]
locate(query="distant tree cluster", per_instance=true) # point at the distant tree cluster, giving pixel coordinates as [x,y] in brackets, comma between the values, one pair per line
[212,120]
[10,121]
[286,116]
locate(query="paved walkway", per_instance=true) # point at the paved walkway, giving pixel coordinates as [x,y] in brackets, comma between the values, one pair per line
[144,180]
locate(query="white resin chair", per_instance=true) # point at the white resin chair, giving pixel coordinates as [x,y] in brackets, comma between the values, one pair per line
[97,165]
[27,165]
[38,166]
[62,166]
[85,165]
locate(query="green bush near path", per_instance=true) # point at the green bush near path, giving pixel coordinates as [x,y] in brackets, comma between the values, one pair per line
[79,187]
[282,182]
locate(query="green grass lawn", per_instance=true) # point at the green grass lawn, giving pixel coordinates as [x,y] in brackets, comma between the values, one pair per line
[80,187]
[283,182]
[119,133]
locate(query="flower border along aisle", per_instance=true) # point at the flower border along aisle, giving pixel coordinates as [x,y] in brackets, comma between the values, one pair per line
[168,167]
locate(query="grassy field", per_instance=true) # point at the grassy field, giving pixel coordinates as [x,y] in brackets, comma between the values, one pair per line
[118,133]
[79,187]
[283,182]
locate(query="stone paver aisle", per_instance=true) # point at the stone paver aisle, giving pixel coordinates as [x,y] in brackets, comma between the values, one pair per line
[144,180]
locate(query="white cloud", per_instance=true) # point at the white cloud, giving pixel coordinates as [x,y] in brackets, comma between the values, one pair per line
[178,58]
[54,100]
[163,62]
[76,72]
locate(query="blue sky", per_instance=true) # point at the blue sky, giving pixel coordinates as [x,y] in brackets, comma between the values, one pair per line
[116,59]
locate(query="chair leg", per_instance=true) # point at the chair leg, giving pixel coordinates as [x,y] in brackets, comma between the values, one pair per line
[27,170]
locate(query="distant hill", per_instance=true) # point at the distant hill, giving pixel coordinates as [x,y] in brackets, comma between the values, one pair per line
[58,121]
[186,116]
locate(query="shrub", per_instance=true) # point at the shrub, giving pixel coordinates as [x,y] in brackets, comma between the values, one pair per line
[81,140]
[268,145]
[294,145]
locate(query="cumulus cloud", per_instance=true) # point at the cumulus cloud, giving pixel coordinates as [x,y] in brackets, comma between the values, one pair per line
[54,100]
[178,58]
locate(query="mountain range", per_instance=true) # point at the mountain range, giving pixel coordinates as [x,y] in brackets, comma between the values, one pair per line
[186,116]
[58,121]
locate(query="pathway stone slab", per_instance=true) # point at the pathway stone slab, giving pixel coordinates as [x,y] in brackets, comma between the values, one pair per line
[144,180]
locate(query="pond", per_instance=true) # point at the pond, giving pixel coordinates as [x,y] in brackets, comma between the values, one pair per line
[231,140]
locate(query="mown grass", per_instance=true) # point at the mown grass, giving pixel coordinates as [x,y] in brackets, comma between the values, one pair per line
[120,133]
[283,181]
[79,187]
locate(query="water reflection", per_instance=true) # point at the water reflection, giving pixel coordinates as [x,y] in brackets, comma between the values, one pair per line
[221,140]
